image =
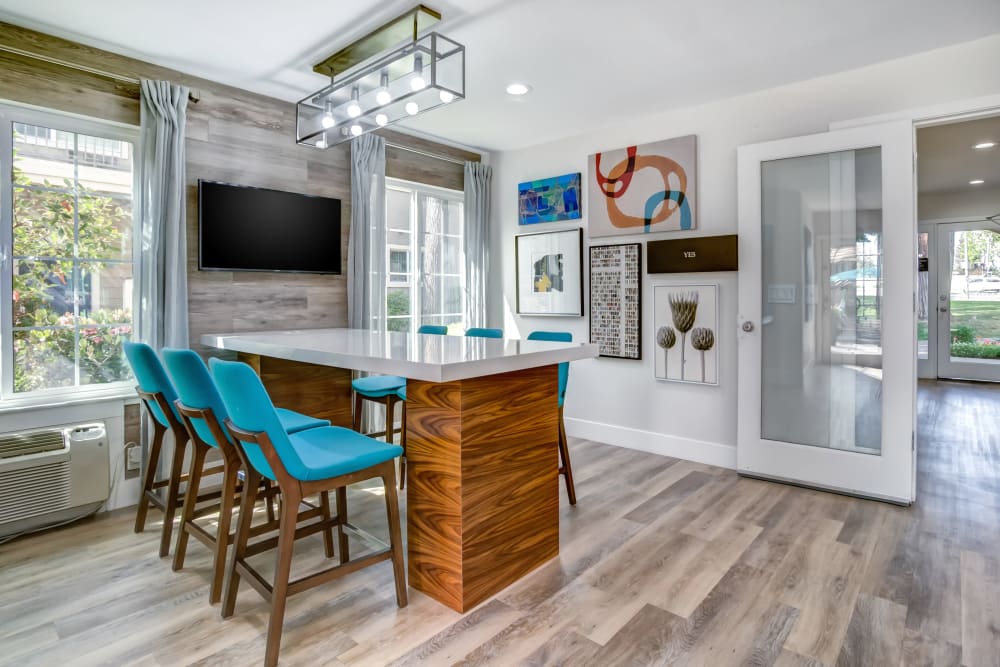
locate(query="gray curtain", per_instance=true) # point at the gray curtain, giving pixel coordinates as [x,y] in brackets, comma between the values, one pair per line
[478,188]
[163,310]
[366,247]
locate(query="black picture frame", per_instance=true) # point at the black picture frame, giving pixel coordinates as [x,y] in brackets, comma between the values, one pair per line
[574,281]
[597,315]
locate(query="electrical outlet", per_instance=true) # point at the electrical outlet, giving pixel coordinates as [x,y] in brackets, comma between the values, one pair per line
[133,459]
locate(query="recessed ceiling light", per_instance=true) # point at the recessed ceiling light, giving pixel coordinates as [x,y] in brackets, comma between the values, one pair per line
[977,181]
[985,144]
[518,89]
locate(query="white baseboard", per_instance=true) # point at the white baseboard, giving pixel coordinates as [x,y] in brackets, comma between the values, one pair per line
[700,451]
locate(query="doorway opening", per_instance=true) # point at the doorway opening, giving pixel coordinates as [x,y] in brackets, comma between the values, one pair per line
[958,302]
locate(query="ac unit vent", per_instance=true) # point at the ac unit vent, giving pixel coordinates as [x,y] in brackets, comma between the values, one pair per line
[34,491]
[34,442]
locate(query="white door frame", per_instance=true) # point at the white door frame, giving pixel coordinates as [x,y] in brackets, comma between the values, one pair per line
[889,476]
[946,368]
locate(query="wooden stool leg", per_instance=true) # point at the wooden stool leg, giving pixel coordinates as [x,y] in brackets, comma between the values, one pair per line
[269,500]
[345,553]
[190,501]
[395,533]
[230,480]
[402,443]
[567,467]
[390,403]
[150,475]
[173,492]
[356,419]
[282,570]
[247,501]
[324,504]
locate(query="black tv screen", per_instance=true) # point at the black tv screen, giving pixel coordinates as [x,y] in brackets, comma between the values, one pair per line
[253,229]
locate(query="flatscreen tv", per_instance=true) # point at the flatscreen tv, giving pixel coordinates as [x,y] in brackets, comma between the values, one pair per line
[254,229]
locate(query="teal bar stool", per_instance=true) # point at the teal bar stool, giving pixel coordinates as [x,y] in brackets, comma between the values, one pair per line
[158,395]
[303,464]
[201,408]
[436,329]
[479,332]
[565,469]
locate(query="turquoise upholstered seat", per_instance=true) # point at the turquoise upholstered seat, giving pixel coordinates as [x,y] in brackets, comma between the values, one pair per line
[315,454]
[566,469]
[378,386]
[152,378]
[557,337]
[438,329]
[479,332]
[197,390]
[401,394]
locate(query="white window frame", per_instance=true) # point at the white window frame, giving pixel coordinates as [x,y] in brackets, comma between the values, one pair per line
[417,192]
[11,113]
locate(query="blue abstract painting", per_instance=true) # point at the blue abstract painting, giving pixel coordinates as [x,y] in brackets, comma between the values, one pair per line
[549,200]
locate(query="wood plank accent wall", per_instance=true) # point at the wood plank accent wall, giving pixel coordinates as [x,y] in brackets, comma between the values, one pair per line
[234,136]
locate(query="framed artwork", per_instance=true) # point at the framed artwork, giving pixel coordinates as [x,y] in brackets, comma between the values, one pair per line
[686,327]
[550,273]
[616,300]
[549,200]
[643,189]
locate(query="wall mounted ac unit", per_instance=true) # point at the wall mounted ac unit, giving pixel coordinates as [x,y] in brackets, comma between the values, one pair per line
[52,475]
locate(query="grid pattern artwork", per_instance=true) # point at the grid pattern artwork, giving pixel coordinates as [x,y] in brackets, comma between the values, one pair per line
[616,300]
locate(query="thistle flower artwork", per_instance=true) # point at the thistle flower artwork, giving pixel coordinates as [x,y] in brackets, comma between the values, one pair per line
[686,321]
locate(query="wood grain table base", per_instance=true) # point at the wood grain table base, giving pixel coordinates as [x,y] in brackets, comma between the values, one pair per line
[323,392]
[482,482]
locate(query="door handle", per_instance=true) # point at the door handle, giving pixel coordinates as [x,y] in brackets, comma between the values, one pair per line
[747,326]
[942,309]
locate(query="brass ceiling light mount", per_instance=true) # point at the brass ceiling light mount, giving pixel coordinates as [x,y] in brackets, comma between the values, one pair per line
[396,71]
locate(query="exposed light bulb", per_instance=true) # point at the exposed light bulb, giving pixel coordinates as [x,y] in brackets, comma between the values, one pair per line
[356,130]
[354,109]
[381,119]
[417,82]
[446,96]
[383,96]
[328,120]
[518,89]
[412,108]
[977,181]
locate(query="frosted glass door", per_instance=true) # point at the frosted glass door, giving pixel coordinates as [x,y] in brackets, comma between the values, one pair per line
[823,277]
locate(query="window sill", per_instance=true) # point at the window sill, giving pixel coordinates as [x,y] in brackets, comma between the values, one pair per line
[116,392]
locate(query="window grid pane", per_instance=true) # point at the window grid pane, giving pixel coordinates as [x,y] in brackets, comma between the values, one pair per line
[72,271]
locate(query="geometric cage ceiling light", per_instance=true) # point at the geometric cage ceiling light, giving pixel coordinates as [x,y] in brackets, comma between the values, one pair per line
[372,86]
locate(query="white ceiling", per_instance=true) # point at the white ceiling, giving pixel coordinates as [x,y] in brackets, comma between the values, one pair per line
[947,161]
[589,61]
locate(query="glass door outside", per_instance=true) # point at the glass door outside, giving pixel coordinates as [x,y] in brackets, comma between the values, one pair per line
[968,301]
[926,304]
[827,393]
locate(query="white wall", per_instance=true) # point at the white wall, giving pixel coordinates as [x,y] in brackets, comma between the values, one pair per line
[618,401]
[975,203]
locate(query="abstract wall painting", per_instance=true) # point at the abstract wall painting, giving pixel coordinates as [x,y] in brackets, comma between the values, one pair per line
[643,189]
[686,331]
[550,273]
[616,300]
[549,200]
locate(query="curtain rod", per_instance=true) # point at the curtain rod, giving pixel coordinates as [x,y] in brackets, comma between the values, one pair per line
[435,156]
[81,68]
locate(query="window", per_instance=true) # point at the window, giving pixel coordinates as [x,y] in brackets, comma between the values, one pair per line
[67,285]
[425,256]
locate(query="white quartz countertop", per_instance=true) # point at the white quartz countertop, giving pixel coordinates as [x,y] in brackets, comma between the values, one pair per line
[417,356]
